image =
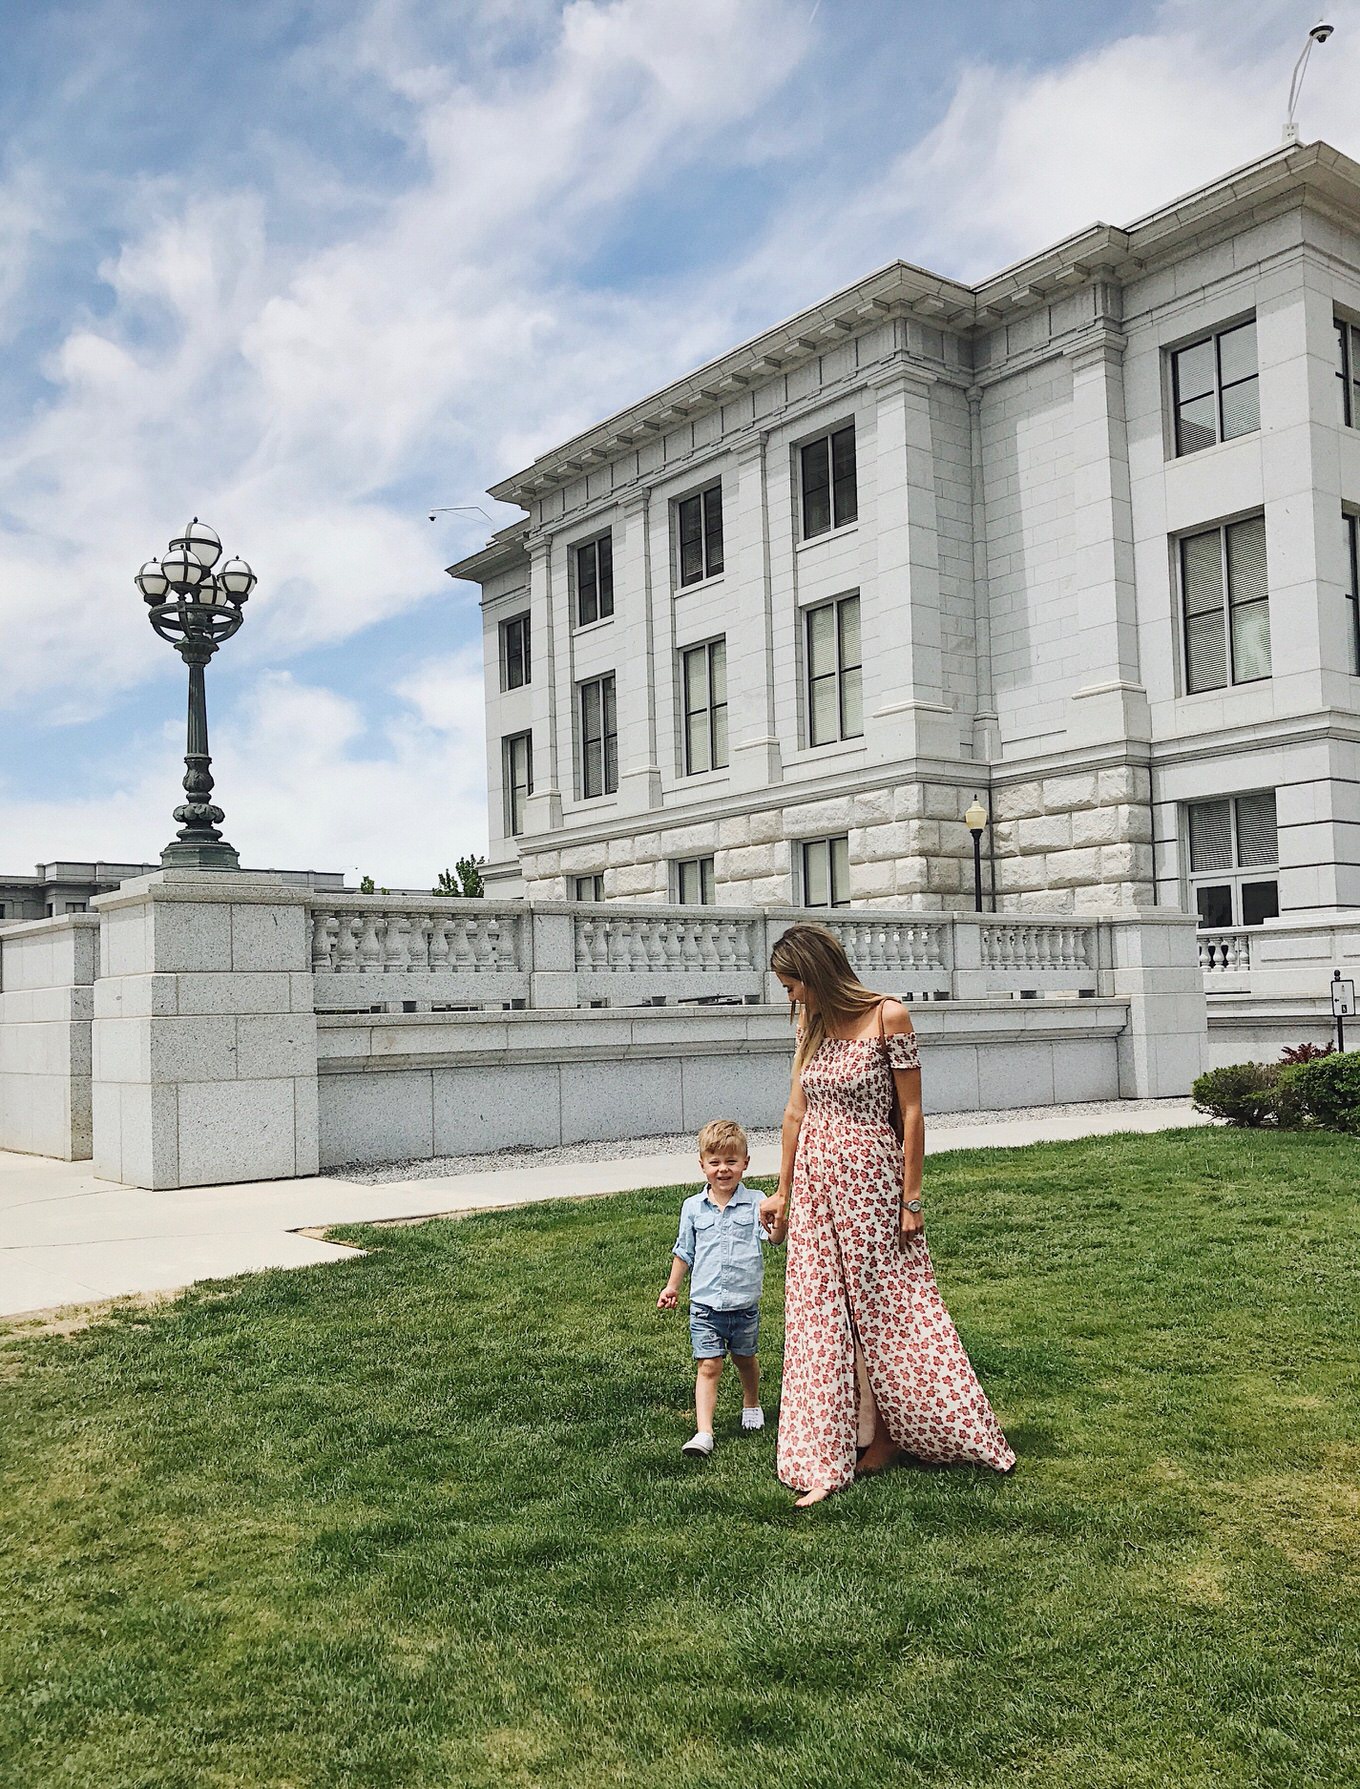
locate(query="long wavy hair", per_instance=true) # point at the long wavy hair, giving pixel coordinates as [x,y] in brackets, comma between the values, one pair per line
[815,957]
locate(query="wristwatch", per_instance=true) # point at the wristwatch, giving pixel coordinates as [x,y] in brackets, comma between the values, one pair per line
[912,1205]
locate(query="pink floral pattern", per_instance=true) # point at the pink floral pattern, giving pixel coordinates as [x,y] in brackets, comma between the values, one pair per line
[850,1279]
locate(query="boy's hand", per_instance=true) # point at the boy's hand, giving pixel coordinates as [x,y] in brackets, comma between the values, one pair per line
[668,1299]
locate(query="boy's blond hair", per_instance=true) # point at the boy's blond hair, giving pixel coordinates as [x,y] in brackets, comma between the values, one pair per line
[721,1136]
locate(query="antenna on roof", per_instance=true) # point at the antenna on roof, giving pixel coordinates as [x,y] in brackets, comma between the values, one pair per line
[1319,34]
[466,509]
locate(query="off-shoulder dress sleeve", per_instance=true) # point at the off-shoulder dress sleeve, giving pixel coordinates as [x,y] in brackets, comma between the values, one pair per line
[902,1051]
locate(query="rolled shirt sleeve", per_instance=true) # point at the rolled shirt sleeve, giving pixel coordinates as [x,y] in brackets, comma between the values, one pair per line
[684,1241]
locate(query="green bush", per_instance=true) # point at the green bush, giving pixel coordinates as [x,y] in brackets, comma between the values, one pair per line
[1243,1093]
[1325,1091]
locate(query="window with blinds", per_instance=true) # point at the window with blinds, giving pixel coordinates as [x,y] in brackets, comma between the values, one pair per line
[1348,371]
[835,695]
[703,688]
[829,492]
[515,663]
[1214,394]
[826,872]
[518,751]
[1234,859]
[1225,604]
[595,580]
[599,737]
[694,882]
[591,887]
[1352,526]
[699,535]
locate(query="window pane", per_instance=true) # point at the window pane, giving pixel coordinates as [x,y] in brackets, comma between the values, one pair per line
[848,616]
[587,586]
[1214,905]
[706,881]
[1210,836]
[1257,840]
[717,663]
[1343,370]
[719,735]
[1206,653]
[611,739]
[691,541]
[1251,642]
[696,679]
[605,553]
[1241,409]
[1247,560]
[822,711]
[713,531]
[1260,901]
[840,872]
[594,760]
[816,892]
[1202,573]
[689,881]
[1196,425]
[696,743]
[1193,370]
[852,705]
[821,626]
[816,457]
[843,476]
[1237,353]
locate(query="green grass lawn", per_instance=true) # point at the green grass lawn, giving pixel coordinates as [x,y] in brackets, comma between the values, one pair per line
[422,1519]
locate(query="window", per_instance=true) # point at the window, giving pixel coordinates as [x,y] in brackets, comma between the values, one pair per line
[694,882]
[518,752]
[1213,389]
[828,477]
[515,669]
[1353,585]
[1234,859]
[826,872]
[835,701]
[1225,641]
[703,679]
[595,581]
[1348,371]
[699,535]
[590,888]
[599,738]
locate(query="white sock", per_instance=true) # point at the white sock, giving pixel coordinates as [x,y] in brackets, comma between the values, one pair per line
[752,1417]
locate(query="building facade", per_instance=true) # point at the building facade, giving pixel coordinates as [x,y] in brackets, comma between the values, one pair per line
[1080,540]
[58,888]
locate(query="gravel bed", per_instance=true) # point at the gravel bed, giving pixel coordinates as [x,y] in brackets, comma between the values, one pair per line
[526,1156]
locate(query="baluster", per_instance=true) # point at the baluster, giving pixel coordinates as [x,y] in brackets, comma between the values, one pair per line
[478,943]
[460,949]
[321,942]
[727,944]
[396,943]
[347,943]
[496,944]
[418,944]
[440,927]
[370,944]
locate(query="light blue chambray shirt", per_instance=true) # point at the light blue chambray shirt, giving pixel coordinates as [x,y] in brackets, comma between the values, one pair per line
[722,1249]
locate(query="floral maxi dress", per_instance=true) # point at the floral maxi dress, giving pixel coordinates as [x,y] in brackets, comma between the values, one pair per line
[851,1281]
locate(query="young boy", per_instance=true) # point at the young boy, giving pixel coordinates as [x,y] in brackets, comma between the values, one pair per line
[719,1246]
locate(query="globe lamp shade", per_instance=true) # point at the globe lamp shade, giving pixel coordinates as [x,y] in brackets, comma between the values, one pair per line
[236,581]
[207,591]
[184,571]
[203,542]
[976,817]
[152,582]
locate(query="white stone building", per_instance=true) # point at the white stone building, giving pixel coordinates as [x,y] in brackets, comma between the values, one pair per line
[1080,539]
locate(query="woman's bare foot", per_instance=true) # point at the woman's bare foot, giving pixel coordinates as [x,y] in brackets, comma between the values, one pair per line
[877,1459]
[818,1494]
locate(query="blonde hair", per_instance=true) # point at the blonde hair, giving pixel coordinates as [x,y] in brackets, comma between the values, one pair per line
[723,1136]
[816,957]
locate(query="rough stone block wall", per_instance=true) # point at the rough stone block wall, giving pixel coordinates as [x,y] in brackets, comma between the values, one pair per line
[1074,842]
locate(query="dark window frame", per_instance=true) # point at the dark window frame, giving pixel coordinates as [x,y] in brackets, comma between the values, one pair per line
[845,675]
[515,639]
[517,790]
[1352,526]
[597,713]
[702,868]
[1348,370]
[715,730]
[1237,877]
[596,880]
[828,484]
[593,565]
[699,536]
[1213,339]
[837,849]
[1227,606]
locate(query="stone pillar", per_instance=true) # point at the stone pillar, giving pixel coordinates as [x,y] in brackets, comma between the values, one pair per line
[204,1032]
[635,660]
[47,971]
[552,959]
[756,758]
[551,686]
[906,714]
[1152,961]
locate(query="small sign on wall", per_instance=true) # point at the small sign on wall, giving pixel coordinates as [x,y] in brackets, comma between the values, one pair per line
[1343,998]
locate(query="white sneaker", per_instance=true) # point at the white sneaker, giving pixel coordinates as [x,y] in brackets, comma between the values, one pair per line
[700,1445]
[752,1417]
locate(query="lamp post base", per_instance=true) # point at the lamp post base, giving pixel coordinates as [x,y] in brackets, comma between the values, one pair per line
[186,856]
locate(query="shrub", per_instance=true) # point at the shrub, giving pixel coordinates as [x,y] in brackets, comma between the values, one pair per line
[1326,1091]
[1243,1093]
[1306,1052]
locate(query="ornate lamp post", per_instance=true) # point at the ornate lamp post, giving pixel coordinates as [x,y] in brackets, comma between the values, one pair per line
[196,607]
[975,820]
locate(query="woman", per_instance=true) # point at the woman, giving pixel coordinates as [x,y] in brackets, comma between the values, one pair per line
[863,1316]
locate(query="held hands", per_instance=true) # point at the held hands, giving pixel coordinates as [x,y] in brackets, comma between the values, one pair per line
[774,1212]
[668,1299]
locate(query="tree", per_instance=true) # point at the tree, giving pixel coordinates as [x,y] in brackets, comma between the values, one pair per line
[366,886]
[465,880]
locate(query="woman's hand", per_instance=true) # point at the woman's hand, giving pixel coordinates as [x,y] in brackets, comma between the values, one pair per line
[774,1211]
[913,1224]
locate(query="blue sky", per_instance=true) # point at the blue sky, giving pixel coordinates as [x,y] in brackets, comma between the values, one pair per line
[309,268]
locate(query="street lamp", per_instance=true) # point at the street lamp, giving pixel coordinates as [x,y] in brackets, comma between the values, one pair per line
[975,819]
[196,607]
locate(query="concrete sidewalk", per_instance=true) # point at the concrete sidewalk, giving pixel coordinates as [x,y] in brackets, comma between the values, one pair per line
[69,1239]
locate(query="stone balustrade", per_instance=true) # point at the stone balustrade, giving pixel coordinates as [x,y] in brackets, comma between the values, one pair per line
[1221,951]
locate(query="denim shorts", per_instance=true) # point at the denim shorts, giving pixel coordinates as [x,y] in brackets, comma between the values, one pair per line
[715,1333]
